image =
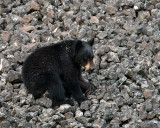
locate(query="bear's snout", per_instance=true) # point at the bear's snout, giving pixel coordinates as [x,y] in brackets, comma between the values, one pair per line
[89,65]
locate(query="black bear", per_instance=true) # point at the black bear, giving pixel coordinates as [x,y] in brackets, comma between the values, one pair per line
[57,69]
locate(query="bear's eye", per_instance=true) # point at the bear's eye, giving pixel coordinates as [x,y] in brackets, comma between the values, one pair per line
[85,59]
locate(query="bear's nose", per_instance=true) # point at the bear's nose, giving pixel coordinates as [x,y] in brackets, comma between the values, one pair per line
[89,65]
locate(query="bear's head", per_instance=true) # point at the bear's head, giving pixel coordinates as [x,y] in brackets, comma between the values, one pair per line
[84,54]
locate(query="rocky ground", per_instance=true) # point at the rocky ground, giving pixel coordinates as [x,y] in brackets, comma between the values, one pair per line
[127,58]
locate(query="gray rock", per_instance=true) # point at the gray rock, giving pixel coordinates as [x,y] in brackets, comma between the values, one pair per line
[148,31]
[47,112]
[156,36]
[102,50]
[68,115]
[4,64]
[111,9]
[13,76]
[20,57]
[46,102]
[126,113]
[102,35]
[81,120]
[87,114]
[5,124]
[7,96]
[112,57]
[64,108]
[85,105]
[93,108]
[129,12]
[49,125]
[96,61]
[139,6]
[151,115]
[101,123]
[143,15]
[79,113]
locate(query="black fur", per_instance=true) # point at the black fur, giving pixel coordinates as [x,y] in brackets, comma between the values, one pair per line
[57,68]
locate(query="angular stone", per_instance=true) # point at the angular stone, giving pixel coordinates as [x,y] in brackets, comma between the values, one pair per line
[151,115]
[84,105]
[112,57]
[87,114]
[144,84]
[32,5]
[13,76]
[138,5]
[148,30]
[147,93]
[111,9]
[5,36]
[144,125]
[56,117]
[46,102]
[143,15]
[64,108]
[20,10]
[126,113]
[102,50]
[5,124]
[129,12]
[82,120]
[20,57]
[94,20]
[156,47]
[27,28]
[142,115]
[28,47]
[68,115]
[7,96]
[156,36]
[50,12]
[4,64]
[157,57]
[79,113]
[48,112]
[70,12]
[27,19]
[102,35]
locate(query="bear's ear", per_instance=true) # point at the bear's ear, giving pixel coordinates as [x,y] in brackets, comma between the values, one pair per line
[90,42]
[78,45]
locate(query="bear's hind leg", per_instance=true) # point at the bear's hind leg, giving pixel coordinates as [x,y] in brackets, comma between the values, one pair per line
[39,88]
[37,94]
[57,91]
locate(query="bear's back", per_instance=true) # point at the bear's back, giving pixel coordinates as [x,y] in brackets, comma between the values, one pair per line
[41,60]
[47,58]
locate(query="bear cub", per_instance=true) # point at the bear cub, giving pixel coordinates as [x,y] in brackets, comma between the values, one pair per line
[57,69]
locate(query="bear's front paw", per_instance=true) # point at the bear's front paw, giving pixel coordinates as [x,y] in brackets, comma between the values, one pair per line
[90,90]
[81,100]
[70,102]
[58,103]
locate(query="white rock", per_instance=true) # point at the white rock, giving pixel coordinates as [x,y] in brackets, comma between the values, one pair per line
[1,64]
[144,84]
[79,113]
[135,7]
[56,117]
[47,112]
[64,108]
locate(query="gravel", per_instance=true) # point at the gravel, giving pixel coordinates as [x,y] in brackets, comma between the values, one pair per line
[127,62]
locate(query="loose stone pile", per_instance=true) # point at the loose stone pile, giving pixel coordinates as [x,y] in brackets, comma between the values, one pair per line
[127,59]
